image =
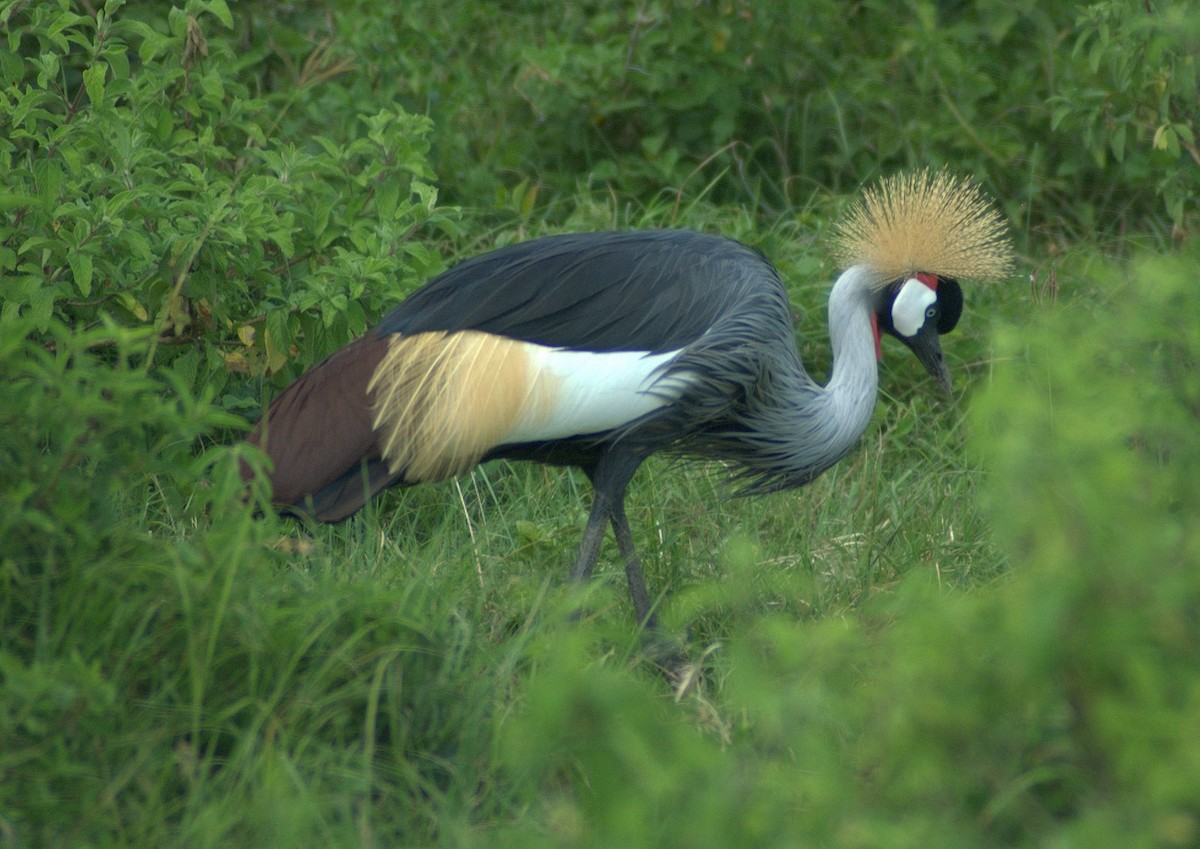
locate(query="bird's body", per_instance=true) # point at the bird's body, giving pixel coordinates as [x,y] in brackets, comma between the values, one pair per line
[595,350]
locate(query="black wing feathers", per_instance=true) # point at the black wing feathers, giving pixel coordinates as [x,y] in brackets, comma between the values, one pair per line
[653,290]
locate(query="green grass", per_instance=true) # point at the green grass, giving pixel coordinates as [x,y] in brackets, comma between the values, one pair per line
[207,679]
[978,630]
[873,664]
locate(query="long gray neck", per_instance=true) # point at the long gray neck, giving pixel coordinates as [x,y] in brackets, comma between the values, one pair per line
[795,429]
[825,422]
[849,396]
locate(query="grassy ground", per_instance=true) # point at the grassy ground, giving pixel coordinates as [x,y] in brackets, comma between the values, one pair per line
[903,501]
[180,673]
[978,630]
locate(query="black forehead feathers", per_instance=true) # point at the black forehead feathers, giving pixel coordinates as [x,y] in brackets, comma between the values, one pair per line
[950,304]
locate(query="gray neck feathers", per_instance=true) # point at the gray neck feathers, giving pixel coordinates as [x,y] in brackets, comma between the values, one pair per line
[798,429]
[848,400]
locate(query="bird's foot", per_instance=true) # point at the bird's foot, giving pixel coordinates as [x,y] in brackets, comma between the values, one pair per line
[669,656]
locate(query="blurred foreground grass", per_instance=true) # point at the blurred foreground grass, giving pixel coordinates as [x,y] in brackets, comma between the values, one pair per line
[878,668]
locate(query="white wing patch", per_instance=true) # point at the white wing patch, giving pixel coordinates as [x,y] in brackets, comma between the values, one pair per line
[592,392]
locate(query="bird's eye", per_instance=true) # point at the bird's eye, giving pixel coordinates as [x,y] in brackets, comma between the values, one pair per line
[931,312]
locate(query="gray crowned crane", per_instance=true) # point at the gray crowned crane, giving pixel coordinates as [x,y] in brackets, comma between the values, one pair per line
[597,350]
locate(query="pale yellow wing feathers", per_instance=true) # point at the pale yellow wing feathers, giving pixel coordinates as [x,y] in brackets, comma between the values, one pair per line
[443,400]
[925,221]
[485,386]
[403,383]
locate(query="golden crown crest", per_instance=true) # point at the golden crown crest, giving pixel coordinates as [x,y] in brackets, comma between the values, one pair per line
[933,222]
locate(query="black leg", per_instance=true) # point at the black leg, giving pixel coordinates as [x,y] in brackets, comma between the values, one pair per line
[633,569]
[662,649]
[593,535]
[610,475]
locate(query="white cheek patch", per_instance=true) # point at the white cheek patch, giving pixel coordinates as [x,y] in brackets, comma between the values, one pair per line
[908,310]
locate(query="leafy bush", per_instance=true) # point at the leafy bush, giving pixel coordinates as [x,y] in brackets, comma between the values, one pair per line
[145,180]
[1130,96]
[259,202]
[771,106]
[164,678]
[79,422]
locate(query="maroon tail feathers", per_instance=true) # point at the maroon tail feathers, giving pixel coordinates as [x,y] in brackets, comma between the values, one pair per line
[318,435]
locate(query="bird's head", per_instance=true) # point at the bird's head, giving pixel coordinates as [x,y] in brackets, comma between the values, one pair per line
[916,235]
[918,310]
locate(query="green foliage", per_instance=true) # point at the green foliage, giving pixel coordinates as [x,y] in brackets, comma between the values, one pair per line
[145,180]
[770,107]
[1057,707]
[769,102]
[201,194]
[166,679]
[1100,438]
[77,427]
[1131,97]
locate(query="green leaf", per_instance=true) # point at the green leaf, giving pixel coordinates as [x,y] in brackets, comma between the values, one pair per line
[61,23]
[135,307]
[1119,136]
[220,10]
[12,68]
[152,41]
[1164,139]
[426,193]
[93,81]
[48,65]
[386,199]
[282,239]
[41,306]
[81,268]
[16,201]
[118,60]
[276,340]
[49,180]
